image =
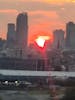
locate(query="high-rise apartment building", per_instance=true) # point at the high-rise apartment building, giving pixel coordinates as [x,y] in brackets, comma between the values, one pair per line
[70,35]
[22,31]
[11,35]
[58,39]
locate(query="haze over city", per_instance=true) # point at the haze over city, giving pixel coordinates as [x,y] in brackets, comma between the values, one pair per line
[44,16]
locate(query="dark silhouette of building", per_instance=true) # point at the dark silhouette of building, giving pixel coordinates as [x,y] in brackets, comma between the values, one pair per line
[59,38]
[11,35]
[70,35]
[22,31]
[2,43]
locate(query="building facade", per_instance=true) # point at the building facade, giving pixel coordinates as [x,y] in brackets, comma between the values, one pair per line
[70,35]
[22,31]
[11,35]
[59,41]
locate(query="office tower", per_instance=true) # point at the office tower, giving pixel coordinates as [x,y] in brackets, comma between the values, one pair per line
[58,39]
[11,35]
[22,31]
[70,35]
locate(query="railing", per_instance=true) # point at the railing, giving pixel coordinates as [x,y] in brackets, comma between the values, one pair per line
[36,73]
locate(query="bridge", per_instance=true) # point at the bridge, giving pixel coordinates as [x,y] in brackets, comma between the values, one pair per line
[36,73]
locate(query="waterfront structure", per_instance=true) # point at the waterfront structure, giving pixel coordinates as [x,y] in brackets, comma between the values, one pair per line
[11,35]
[58,39]
[70,35]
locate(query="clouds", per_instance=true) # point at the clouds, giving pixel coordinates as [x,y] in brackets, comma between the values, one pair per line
[8,11]
[34,15]
[43,20]
[51,1]
[27,5]
[6,16]
[66,12]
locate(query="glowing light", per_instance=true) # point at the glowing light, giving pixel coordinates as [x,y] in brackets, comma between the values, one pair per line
[41,40]
[73,1]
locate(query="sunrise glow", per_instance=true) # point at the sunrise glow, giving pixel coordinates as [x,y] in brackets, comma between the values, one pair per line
[41,40]
[43,15]
[54,1]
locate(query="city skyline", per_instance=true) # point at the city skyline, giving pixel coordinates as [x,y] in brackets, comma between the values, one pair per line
[44,16]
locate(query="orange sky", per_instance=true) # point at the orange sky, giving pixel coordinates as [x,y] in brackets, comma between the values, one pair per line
[44,16]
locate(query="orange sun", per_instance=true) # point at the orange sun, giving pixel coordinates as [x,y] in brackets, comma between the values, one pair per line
[41,40]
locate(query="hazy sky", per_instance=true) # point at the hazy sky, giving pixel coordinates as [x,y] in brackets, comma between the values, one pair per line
[43,15]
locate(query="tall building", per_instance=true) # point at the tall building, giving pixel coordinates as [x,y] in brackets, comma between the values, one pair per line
[70,35]
[58,39]
[11,35]
[22,31]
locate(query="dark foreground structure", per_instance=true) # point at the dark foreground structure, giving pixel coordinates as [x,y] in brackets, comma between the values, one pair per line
[21,64]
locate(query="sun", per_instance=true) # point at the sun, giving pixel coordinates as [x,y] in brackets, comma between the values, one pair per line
[41,41]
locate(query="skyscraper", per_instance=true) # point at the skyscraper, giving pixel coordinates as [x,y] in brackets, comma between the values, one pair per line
[11,35]
[70,35]
[22,31]
[58,38]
